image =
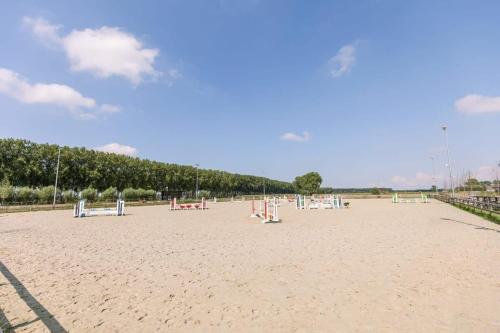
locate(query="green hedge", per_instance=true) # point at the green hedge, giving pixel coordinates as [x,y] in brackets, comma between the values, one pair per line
[109,194]
[45,195]
[69,196]
[89,194]
[138,194]
[26,194]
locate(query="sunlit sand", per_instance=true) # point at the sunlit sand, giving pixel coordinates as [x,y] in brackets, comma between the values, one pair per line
[376,266]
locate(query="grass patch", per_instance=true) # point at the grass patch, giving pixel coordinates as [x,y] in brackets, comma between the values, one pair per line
[487,215]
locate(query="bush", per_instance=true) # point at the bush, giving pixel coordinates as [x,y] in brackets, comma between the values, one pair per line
[89,194]
[109,194]
[375,191]
[150,195]
[46,194]
[6,193]
[69,196]
[130,194]
[204,194]
[25,194]
[141,193]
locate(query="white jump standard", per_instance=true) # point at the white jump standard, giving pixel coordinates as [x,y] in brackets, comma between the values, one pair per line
[80,211]
[300,201]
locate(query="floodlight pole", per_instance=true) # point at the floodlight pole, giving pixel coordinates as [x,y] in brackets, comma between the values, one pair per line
[57,176]
[448,157]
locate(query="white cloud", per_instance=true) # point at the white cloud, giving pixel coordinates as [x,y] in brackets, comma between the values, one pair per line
[425,180]
[103,52]
[109,108]
[343,61]
[478,104]
[485,173]
[109,51]
[117,148]
[421,179]
[289,136]
[43,29]
[17,87]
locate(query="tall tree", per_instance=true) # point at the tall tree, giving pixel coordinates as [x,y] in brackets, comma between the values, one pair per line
[309,183]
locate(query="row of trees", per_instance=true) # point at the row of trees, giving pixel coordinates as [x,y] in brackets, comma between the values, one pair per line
[28,164]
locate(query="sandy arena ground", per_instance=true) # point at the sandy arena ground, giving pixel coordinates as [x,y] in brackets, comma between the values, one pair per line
[377,267]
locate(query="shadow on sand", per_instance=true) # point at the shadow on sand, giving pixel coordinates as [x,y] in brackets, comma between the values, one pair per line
[472,225]
[42,313]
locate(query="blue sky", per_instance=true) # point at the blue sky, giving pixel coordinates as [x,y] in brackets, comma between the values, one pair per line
[357,90]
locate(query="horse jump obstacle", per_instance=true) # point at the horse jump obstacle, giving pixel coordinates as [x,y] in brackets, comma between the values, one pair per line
[80,211]
[396,199]
[268,210]
[328,202]
[197,205]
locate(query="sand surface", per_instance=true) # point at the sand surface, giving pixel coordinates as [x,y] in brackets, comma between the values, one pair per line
[377,267]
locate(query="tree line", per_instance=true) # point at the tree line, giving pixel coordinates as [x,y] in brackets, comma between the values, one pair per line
[27,164]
